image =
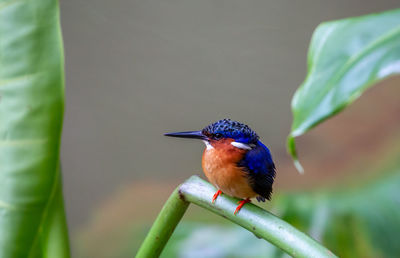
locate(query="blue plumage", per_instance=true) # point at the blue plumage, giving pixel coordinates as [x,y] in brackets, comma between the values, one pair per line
[227,128]
[259,160]
[260,170]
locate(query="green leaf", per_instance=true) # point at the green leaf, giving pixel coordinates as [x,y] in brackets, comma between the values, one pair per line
[32,219]
[345,58]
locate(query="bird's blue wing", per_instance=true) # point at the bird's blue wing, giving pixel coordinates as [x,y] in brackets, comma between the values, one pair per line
[260,170]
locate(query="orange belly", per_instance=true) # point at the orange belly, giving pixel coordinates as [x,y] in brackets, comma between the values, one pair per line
[219,166]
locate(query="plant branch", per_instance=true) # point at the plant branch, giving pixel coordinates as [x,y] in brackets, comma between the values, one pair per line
[262,223]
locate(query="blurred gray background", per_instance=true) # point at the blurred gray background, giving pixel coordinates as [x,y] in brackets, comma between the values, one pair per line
[137,69]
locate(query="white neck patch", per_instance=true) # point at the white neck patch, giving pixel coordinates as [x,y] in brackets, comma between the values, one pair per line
[241,145]
[208,145]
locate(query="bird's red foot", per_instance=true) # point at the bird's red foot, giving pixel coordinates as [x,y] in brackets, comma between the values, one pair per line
[216,195]
[241,203]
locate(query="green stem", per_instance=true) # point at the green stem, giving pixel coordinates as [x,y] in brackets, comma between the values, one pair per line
[262,223]
[164,226]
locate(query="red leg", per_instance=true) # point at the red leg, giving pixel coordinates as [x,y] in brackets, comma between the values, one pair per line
[216,195]
[241,203]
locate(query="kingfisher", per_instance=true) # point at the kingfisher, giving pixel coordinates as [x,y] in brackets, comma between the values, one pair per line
[235,161]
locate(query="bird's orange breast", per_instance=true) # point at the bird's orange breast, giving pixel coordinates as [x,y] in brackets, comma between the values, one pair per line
[220,167]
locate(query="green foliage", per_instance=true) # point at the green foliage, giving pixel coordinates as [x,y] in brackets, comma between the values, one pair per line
[216,240]
[353,220]
[345,58]
[32,219]
[359,220]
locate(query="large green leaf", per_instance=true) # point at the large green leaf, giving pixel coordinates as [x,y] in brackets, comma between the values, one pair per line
[32,220]
[344,59]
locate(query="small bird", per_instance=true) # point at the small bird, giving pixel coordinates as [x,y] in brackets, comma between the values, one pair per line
[235,161]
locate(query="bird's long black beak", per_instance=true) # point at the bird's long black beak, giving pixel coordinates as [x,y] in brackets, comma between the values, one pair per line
[190,134]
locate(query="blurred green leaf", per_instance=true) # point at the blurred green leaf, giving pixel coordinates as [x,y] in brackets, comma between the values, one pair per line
[344,59]
[357,220]
[32,219]
[361,219]
[211,240]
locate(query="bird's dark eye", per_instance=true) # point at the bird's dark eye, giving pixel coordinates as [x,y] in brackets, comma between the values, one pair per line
[217,136]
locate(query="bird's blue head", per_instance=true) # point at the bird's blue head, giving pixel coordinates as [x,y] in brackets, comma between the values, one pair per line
[242,135]
[227,128]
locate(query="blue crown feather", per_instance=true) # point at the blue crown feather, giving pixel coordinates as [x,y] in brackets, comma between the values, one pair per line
[227,128]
